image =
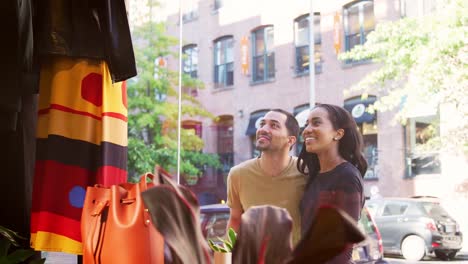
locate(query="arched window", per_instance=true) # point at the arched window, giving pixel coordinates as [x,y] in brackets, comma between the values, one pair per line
[263,56]
[223,62]
[359,21]
[190,60]
[302,42]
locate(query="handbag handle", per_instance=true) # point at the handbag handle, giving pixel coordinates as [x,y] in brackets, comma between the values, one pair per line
[144,181]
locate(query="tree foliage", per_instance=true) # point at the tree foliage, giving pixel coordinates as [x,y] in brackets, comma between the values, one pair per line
[423,62]
[153,109]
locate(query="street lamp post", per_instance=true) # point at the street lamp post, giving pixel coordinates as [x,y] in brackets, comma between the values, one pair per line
[179,117]
[311,56]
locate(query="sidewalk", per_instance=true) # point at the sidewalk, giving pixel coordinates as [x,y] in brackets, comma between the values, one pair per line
[59,258]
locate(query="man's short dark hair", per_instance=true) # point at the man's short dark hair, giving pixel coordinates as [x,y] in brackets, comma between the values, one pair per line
[291,122]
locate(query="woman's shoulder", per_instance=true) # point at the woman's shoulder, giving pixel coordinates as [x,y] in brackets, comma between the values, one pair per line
[349,177]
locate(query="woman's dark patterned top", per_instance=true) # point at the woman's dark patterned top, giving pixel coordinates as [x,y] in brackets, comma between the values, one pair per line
[341,187]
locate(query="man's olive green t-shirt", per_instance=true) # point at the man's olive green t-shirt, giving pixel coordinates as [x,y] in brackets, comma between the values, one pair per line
[249,186]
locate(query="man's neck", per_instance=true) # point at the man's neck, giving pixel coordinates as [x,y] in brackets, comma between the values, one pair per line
[273,164]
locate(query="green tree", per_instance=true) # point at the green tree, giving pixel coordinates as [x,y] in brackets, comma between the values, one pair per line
[422,61]
[153,108]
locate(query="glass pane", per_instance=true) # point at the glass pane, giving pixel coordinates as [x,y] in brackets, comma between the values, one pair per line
[353,40]
[194,58]
[221,73]
[302,32]
[302,59]
[217,52]
[318,53]
[229,50]
[353,20]
[218,4]
[230,74]
[259,42]
[434,209]
[269,38]
[258,68]
[369,21]
[271,65]
[317,35]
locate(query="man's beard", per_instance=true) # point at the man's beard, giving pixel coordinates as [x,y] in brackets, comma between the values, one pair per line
[261,147]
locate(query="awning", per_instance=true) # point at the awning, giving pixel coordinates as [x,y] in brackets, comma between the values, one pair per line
[301,113]
[358,109]
[254,122]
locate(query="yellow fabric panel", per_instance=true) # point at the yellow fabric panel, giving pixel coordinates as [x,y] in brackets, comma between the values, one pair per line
[61,73]
[45,241]
[80,127]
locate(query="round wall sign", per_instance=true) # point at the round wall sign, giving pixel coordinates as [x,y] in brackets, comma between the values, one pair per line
[358,110]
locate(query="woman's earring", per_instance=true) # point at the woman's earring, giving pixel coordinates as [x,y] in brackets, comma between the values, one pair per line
[336,139]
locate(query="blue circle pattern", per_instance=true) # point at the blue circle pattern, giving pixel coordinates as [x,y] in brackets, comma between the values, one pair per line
[76,196]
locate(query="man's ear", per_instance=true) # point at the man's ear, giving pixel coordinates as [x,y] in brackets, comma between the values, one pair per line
[292,140]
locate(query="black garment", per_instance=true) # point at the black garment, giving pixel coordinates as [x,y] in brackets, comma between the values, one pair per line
[19,76]
[95,29]
[18,106]
[341,187]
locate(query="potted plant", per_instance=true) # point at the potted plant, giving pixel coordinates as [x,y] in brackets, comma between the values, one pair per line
[223,250]
[14,249]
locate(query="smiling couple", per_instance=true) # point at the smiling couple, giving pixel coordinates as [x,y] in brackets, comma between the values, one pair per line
[328,170]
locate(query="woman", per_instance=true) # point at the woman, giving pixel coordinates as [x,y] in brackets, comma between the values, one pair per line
[331,156]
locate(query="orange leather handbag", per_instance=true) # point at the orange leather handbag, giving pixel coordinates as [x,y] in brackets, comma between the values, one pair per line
[116,228]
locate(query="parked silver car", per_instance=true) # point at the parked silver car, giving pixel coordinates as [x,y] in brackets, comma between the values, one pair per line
[415,227]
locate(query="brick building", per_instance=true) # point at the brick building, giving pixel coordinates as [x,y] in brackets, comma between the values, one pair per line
[253,55]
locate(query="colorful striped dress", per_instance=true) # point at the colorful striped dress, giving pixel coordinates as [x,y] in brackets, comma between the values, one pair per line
[81,141]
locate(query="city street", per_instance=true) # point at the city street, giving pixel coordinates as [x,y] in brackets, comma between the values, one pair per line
[460,258]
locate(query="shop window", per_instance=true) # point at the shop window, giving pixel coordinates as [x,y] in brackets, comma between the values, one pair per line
[225,139]
[367,126]
[422,157]
[358,21]
[263,57]
[223,62]
[302,42]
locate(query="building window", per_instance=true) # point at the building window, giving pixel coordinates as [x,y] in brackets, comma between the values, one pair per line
[421,158]
[263,57]
[195,126]
[217,4]
[301,113]
[417,8]
[225,143]
[254,124]
[301,39]
[224,62]
[358,23]
[190,11]
[190,60]
[367,126]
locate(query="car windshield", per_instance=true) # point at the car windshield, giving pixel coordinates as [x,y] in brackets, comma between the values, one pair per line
[434,209]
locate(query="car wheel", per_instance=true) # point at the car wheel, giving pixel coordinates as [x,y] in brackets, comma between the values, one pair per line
[445,255]
[413,248]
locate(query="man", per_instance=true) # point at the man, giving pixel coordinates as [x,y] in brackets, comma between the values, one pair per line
[271,179]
